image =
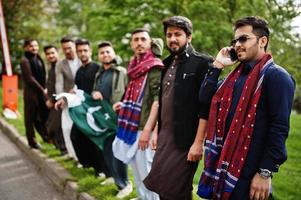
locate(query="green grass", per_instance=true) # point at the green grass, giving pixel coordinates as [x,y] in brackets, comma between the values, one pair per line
[286,183]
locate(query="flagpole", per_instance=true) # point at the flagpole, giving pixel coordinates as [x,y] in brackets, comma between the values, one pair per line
[9,81]
[5,48]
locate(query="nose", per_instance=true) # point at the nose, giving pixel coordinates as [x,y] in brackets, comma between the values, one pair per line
[172,38]
[237,44]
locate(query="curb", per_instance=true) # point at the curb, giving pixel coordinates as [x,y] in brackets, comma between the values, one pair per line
[55,173]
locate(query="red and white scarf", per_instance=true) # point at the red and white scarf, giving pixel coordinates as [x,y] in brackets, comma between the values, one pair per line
[129,115]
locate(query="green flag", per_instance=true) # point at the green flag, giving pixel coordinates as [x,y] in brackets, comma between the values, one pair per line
[95,118]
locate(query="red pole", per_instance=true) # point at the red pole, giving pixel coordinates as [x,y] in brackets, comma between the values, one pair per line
[5,48]
[9,81]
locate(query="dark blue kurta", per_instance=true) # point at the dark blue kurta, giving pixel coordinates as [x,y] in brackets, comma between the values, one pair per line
[267,149]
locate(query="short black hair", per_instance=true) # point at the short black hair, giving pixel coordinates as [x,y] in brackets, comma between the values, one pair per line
[178,21]
[259,25]
[139,30]
[105,44]
[79,42]
[49,47]
[28,41]
[66,39]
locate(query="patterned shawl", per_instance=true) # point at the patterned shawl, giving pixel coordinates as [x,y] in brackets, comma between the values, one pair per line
[224,158]
[129,114]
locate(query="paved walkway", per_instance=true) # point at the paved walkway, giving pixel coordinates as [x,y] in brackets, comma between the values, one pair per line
[19,178]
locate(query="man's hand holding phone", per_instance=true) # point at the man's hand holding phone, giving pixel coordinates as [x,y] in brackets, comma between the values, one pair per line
[225,57]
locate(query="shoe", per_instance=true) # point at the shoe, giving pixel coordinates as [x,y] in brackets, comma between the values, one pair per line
[79,166]
[108,181]
[35,146]
[127,190]
[100,175]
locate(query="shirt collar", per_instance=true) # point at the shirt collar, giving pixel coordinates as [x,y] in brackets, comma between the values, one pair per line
[248,66]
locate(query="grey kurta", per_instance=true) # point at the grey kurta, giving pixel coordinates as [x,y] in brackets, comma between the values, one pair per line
[171,174]
[53,123]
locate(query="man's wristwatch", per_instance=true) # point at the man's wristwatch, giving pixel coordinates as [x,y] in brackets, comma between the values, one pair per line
[265,173]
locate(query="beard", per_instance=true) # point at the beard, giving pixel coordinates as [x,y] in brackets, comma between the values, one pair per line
[178,51]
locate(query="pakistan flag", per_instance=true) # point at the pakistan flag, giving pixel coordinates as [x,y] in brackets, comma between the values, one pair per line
[95,118]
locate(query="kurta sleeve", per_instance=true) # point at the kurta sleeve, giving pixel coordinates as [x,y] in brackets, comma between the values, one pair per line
[28,77]
[59,78]
[207,90]
[279,87]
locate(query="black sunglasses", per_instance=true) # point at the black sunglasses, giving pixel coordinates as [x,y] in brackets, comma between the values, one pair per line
[242,39]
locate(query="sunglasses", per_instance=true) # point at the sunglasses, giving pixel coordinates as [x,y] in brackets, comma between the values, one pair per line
[242,39]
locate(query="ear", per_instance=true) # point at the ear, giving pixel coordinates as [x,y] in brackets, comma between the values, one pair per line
[263,41]
[189,38]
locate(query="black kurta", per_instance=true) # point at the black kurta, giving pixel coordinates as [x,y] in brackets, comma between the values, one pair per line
[87,152]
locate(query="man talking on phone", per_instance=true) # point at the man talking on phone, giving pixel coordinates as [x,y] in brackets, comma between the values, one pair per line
[248,121]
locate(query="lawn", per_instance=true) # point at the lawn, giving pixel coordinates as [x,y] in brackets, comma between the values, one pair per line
[286,183]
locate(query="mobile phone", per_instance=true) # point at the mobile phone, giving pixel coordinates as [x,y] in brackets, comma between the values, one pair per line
[233,55]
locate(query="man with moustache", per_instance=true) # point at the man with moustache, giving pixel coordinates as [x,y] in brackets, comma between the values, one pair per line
[249,117]
[138,111]
[35,93]
[180,128]
[66,69]
[65,72]
[54,119]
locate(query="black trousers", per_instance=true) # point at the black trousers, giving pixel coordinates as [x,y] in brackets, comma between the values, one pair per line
[87,152]
[118,169]
[54,128]
[35,116]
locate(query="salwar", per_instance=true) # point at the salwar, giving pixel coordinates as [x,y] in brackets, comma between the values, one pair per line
[141,165]
[67,124]
[139,161]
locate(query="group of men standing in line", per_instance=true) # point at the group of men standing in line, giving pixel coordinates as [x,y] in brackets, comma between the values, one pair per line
[171,112]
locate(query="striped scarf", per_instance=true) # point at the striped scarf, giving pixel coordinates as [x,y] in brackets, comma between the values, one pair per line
[129,114]
[225,158]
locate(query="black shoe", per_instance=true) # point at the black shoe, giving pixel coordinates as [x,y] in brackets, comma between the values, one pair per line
[35,146]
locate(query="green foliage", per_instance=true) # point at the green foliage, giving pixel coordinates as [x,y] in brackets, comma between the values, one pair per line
[114,20]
